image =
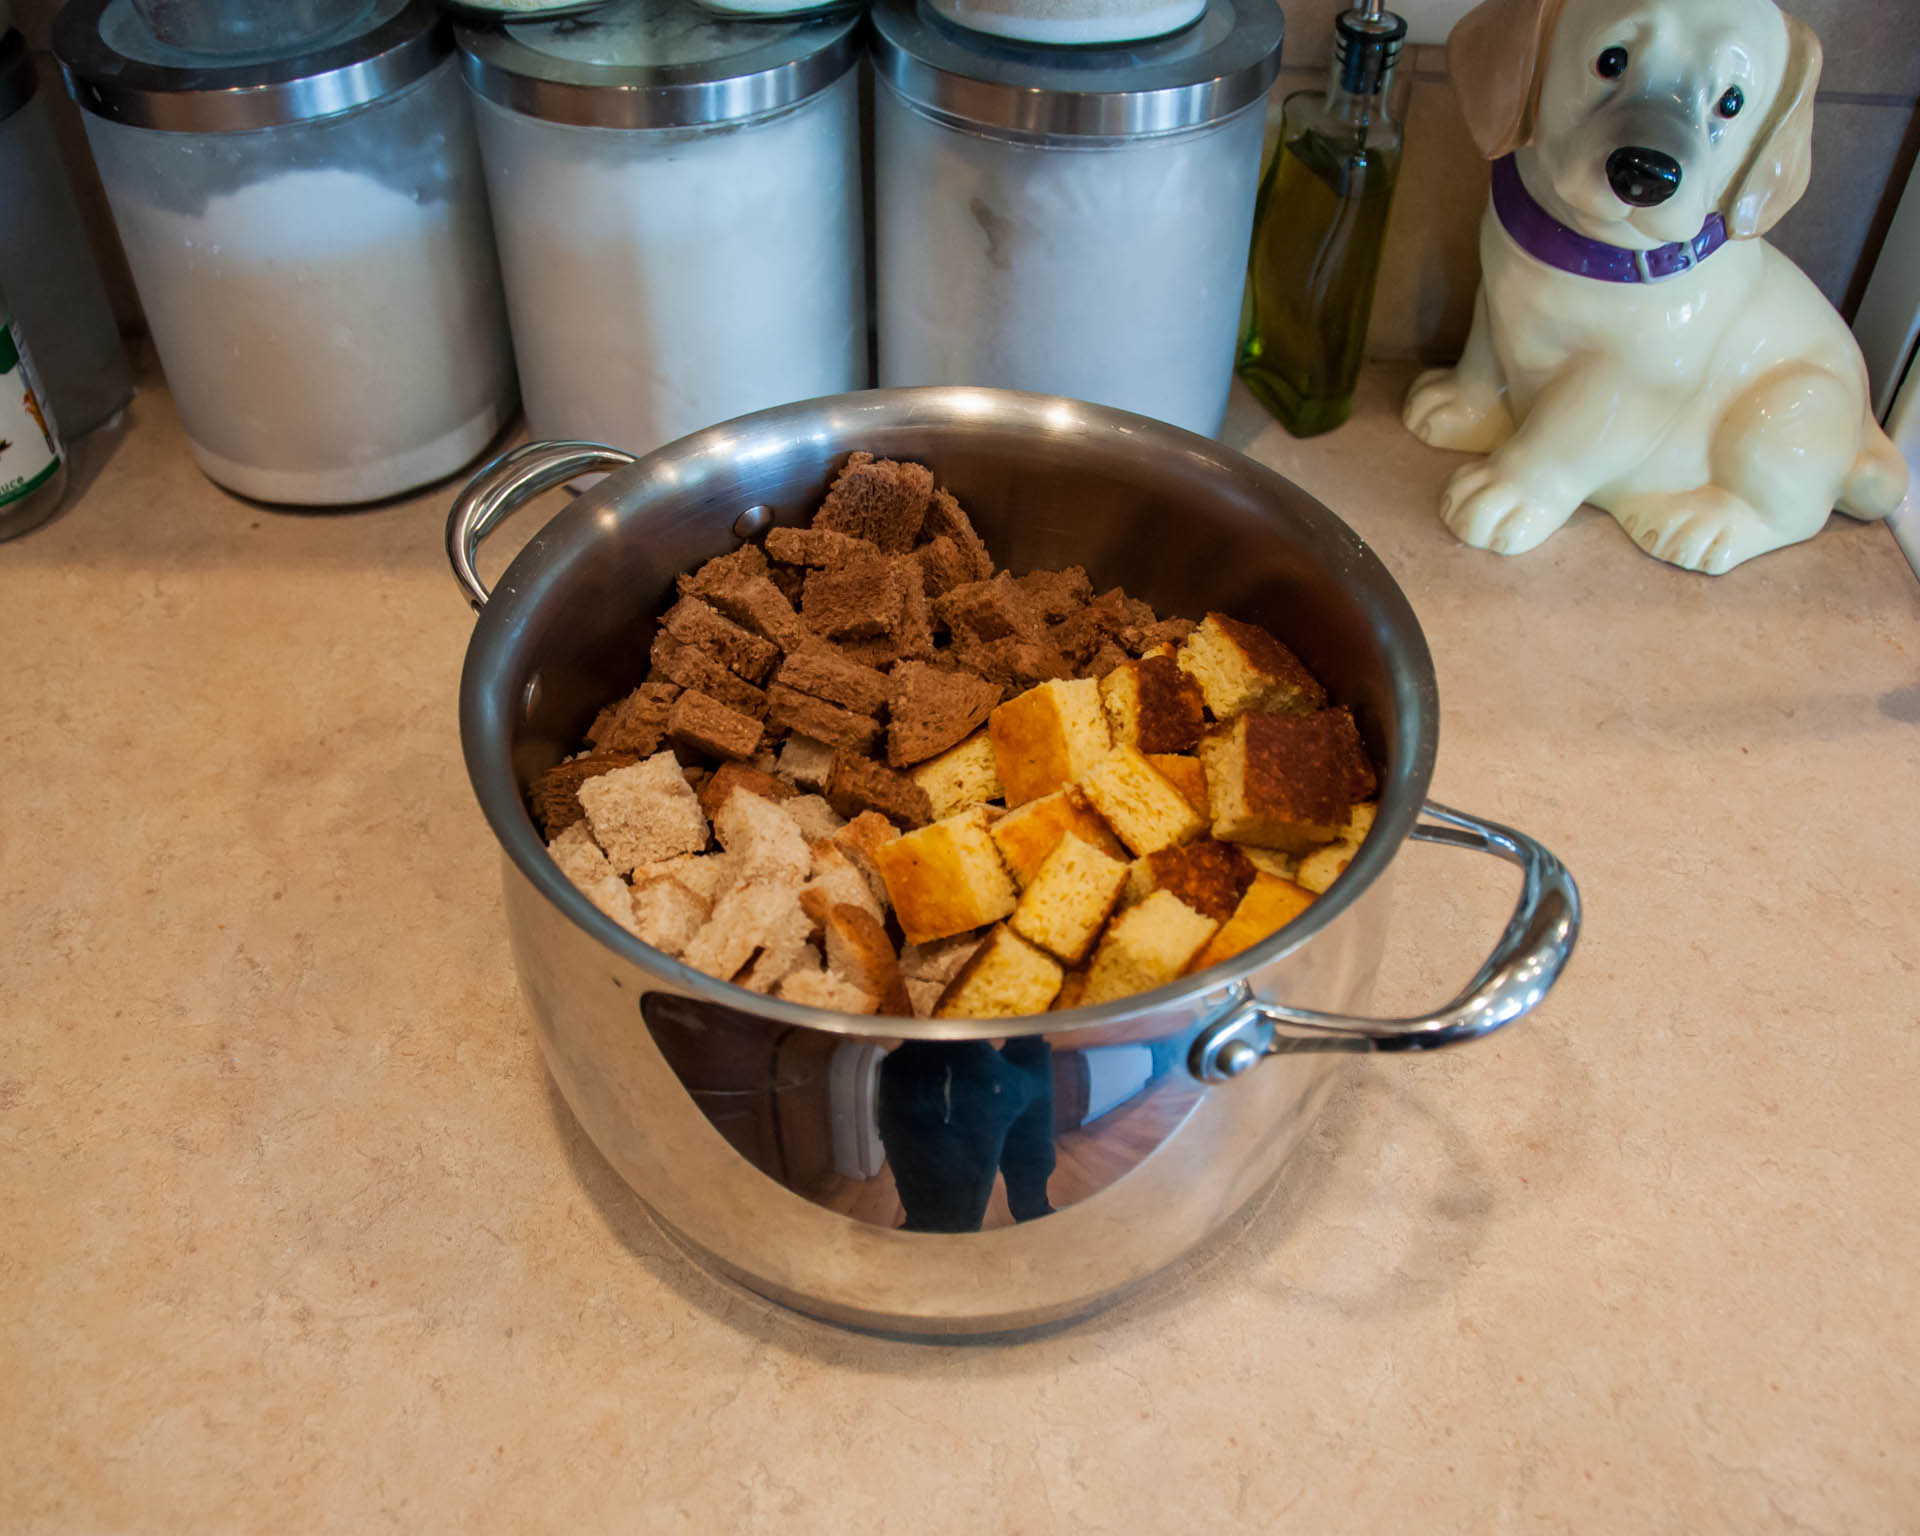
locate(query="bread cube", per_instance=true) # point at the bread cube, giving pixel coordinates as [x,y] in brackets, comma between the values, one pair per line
[1318,870]
[762,841]
[837,882]
[960,776]
[1186,774]
[582,862]
[1146,946]
[1007,978]
[1269,905]
[644,812]
[667,915]
[704,874]
[1208,876]
[859,952]
[1285,781]
[1270,862]
[1026,836]
[806,762]
[1241,667]
[1048,737]
[731,776]
[1153,705]
[1072,991]
[1065,905]
[860,840]
[756,915]
[555,796]
[818,987]
[1140,803]
[946,878]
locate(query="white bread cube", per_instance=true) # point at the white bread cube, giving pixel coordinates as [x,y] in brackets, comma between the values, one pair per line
[816,819]
[968,774]
[946,878]
[1048,737]
[1065,905]
[1146,946]
[704,874]
[837,881]
[582,862]
[1006,978]
[860,953]
[762,841]
[1140,803]
[645,812]
[757,915]
[805,762]
[667,915]
[818,987]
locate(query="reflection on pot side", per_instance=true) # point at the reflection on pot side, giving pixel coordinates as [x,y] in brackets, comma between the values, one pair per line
[929,1136]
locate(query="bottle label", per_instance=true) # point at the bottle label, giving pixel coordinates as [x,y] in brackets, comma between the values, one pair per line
[29,445]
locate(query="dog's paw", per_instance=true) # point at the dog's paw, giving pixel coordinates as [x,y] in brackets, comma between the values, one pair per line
[1486,509]
[1444,413]
[1708,530]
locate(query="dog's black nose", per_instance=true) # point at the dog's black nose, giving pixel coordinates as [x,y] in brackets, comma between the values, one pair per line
[1644,177]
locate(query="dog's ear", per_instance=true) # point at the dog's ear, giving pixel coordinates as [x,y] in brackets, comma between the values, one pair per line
[1777,172]
[1494,54]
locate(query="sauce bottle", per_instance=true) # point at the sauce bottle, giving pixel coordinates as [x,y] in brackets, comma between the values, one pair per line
[33,464]
[1318,229]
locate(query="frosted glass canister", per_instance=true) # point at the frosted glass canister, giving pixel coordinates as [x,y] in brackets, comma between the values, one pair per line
[1074,222]
[677,200]
[310,241]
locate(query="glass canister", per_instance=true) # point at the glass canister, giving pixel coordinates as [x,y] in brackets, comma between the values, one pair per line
[310,241]
[677,199]
[1069,221]
[46,262]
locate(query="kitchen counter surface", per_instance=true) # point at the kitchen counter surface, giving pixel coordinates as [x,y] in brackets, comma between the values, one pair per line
[297,1235]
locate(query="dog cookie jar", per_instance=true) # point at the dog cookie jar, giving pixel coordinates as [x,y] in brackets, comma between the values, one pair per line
[1636,343]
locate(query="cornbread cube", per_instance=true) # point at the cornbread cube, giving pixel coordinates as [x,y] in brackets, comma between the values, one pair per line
[1208,876]
[762,841]
[961,776]
[1026,836]
[555,795]
[731,776]
[1153,705]
[667,915]
[817,820]
[806,761]
[1140,803]
[1269,862]
[1066,903]
[706,725]
[946,878]
[859,951]
[1048,737]
[693,622]
[1186,774]
[1073,988]
[1241,667]
[643,813]
[1319,869]
[582,862]
[1269,905]
[1285,781]
[817,987]
[637,723]
[1007,978]
[1144,947]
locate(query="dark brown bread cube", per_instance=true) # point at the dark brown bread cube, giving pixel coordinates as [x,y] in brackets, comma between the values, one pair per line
[943,566]
[1143,638]
[1103,661]
[856,602]
[791,580]
[1058,594]
[915,632]
[878,499]
[825,672]
[821,548]
[945,519]
[743,564]
[931,709]
[758,604]
[555,794]
[736,775]
[707,725]
[696,669]
[693,622]
[982,611]
[807,716]
[878,653]
[1013,663]
[635,724]
[856,784]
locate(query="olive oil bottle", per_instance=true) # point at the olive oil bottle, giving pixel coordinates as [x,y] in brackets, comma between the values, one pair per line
[1318,228]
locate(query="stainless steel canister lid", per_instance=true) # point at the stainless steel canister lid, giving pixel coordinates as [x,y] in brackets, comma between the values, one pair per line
[115,67]
[1225,61]
[16,74]
[657,64]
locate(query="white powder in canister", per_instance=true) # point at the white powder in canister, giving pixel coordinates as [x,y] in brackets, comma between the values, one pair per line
[661,281]
[1106,270]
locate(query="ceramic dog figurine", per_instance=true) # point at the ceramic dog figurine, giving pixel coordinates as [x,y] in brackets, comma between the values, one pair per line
[1635,343]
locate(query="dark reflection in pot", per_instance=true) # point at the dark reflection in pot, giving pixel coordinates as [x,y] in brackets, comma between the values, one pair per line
[923,1135]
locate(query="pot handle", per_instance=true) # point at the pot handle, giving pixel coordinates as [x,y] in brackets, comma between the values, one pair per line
[501,488]
[1518,974]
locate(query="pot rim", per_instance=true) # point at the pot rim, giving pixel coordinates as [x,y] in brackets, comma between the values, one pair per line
[570,535]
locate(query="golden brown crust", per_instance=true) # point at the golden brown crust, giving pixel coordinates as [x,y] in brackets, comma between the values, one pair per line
[1208,876]
[1172,712]
[1309,768]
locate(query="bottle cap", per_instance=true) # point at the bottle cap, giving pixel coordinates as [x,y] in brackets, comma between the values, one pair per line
[1369,42]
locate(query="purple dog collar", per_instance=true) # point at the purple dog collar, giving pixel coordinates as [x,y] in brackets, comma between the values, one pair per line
[1545,238]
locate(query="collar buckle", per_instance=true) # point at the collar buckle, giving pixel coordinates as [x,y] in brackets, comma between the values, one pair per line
[1683,248]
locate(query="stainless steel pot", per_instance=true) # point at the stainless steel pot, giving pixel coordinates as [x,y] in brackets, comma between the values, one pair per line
[947,1177]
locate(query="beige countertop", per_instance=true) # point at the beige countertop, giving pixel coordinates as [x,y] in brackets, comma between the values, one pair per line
[295,1234]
